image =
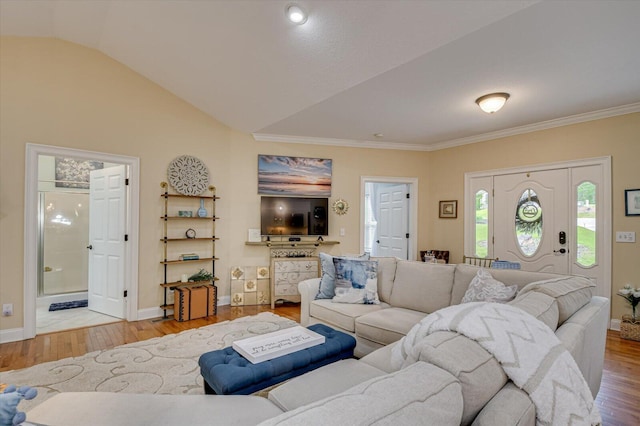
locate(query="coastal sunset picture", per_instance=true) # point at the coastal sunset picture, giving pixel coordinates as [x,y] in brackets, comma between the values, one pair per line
[294,176]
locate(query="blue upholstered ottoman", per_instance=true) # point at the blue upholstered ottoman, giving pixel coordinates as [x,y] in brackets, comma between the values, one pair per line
[226,372]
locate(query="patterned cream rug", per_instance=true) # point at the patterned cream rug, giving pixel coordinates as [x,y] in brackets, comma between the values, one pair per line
[164,365]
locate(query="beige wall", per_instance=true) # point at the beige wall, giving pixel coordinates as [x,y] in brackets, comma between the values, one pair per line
[618,137]
[58,93]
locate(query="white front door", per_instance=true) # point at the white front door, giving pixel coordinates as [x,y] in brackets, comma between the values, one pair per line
[573,197]
[107,204]
[392,217]
[531,220]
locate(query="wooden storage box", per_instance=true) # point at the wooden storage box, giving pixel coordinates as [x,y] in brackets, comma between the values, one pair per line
[630,329]
[194,302]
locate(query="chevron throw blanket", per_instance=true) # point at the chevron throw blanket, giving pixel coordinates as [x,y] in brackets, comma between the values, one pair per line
[529,352]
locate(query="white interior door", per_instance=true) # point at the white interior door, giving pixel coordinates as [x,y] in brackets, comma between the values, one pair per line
[392,217]
[531,220]
[107,204]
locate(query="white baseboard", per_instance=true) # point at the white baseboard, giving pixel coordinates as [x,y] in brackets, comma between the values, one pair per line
[11,335]
[615,324]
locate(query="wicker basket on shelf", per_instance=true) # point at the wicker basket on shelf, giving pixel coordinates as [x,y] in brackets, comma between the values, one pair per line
[630,328]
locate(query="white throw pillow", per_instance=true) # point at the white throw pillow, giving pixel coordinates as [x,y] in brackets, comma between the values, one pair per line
[356,281]
[484,288]
[327,281]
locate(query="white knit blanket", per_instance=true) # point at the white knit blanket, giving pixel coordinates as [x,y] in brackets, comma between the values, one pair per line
[528,351]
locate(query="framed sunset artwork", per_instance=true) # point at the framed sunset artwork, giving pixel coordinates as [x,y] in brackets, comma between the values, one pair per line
[280,175]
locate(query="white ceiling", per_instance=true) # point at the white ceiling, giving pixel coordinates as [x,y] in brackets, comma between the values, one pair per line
[410,70]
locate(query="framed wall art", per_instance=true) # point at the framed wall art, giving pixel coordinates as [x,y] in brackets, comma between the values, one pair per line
[632,202]
[279,175]
[448,209]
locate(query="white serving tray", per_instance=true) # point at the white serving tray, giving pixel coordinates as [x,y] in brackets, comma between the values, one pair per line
[276,344]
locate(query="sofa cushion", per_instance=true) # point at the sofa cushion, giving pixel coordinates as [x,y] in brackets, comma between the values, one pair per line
[356,281]
[540,305]
[510,406]
[128,409]
[424,287]
[321,383]
[327,279]
[485,288]
[416,394]
[571,293]
[387,325]
[386,276]
[479,373]
[341,315]
[381,358]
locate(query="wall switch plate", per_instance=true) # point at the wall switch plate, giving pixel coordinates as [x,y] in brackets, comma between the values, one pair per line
[342,232]
[7,309]
[625,237]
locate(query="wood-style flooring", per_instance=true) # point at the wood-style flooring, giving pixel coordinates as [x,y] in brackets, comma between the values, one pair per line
[618,399]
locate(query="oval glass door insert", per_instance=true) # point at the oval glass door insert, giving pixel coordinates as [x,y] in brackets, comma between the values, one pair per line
[528,222]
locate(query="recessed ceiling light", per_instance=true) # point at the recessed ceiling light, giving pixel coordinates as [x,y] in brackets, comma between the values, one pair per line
[378,135]
[492,102]
[296,14]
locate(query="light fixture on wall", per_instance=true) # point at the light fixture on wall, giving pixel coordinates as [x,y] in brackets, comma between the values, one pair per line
[492,102]
[296,14]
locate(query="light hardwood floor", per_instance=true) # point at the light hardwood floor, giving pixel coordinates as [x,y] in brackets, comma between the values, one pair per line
[618,399]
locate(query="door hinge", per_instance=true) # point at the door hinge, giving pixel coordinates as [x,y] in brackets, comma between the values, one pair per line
[408,195]
[407,235]
[126,237]
[126,181]
[125,293]
[493,240]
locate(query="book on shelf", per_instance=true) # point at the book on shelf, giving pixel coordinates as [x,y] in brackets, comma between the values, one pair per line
[189,256]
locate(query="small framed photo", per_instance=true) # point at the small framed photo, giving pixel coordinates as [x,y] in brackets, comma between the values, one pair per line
[185,213]
[632,202]
[448,209]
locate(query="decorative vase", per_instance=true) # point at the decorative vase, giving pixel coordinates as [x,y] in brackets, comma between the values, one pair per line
[202,212]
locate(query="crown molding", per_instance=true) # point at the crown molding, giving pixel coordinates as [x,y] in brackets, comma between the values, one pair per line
[351,143]
[549,124]
[543,125]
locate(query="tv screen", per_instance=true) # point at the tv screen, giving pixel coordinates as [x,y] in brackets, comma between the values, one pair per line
[294,216]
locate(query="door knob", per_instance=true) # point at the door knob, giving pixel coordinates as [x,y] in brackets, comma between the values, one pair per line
[563,251]
[378,241]
[90,247]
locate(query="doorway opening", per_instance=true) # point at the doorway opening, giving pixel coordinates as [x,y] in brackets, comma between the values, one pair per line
[57,236]
[388,216]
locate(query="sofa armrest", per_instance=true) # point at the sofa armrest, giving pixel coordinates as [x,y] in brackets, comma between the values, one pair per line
[308,290]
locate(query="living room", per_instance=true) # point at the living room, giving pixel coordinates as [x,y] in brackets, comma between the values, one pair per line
[59,93]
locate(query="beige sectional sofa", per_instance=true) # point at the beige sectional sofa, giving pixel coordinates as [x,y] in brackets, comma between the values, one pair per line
[455,381]
[409,290]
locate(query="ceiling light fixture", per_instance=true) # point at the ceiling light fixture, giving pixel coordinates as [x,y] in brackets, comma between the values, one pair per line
[492,102]
[296,14]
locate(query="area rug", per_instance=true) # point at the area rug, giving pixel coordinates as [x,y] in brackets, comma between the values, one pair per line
[68,305]
[162,365]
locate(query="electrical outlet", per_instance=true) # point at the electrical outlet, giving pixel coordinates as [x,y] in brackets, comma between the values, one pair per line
[625,237]
[7,309]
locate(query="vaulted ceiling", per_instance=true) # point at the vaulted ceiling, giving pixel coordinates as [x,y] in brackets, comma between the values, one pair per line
[409,70]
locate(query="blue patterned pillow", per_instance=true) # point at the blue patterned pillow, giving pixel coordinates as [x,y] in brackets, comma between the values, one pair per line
[327,282]
[356,281]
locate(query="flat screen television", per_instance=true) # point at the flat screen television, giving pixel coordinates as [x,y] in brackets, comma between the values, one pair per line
[294,216]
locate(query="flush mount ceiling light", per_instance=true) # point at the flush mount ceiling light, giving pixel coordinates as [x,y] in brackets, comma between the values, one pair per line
[492,102]
[296,14]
